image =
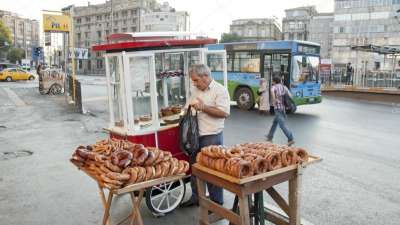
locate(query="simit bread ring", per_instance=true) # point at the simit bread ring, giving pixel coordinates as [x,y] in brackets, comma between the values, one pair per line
[112,167]
[158,171]
[141,174]
[134,175]
[288,157]
[274,161]
[302,155]
[140,156]
[160,157]
[110,181]
[121,158]
[165,168]
[150,159]
[118,176]
[235,152]
[150,172]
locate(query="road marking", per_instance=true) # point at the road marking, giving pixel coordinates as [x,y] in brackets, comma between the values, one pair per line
[14,97]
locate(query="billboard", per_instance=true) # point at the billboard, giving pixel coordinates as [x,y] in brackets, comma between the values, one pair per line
[79,53]
[56,23]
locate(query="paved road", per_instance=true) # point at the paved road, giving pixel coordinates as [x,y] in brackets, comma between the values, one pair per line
[357,183]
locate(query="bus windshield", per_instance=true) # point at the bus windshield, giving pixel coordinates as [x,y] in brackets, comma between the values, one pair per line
[305,68]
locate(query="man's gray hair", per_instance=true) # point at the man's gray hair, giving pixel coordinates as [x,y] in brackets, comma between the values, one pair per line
[200,70]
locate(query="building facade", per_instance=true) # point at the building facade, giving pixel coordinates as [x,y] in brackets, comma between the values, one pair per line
[24,32]
[296,23]
[93,23]
[256,29]
[165,18]
[321,31]
[365,22]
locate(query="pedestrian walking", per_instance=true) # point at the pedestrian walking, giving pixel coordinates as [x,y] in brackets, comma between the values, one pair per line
[278,91]
[263,92]
[349,74]
[211,100]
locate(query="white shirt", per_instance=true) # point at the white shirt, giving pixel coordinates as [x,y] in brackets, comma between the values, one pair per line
[215,95]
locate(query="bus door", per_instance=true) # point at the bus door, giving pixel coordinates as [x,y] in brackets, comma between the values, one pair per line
[276,64]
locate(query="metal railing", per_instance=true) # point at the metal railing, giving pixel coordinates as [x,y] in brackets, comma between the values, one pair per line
[368,79]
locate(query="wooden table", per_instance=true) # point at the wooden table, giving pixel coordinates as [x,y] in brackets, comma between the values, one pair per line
[136,192]
[246,187]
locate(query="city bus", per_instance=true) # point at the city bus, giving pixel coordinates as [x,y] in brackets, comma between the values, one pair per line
[297,62]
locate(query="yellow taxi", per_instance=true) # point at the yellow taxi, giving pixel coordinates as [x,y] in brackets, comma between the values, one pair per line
[15,74]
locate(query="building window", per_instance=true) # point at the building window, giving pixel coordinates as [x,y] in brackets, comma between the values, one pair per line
[99,17]
[115,15]
[99,34]
[115,23]
[115,31]
[291,36]
[86,35]
[134,20]
[341,29]
[89,65]
[99,64]
[107,32]
[78,20]
[87,19]
[88,26]
[124,30]
[78,36]
[124,22]
[133,29]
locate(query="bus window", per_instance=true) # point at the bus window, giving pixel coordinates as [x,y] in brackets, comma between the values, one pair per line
[215,62]
[247,62]
[305,68]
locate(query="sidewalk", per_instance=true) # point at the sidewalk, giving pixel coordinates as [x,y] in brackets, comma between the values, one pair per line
[371,90]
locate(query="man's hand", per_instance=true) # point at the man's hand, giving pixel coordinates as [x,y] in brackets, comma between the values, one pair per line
[198,104]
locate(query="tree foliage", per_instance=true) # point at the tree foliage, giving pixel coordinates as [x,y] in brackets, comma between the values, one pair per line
[5,35]
[15,55]
[230,37]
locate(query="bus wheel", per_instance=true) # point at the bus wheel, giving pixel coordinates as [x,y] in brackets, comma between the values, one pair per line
[244,98]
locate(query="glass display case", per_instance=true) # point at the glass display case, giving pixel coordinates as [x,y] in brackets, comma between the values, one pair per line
[148,89]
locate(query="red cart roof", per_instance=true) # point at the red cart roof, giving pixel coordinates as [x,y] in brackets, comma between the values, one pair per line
[139,41]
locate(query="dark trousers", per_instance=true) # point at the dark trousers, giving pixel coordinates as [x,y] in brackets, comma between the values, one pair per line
[216,193]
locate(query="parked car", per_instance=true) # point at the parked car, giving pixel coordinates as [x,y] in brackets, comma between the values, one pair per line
[7,65]
[15,74]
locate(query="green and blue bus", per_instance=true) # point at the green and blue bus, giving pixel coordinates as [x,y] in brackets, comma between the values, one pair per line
[297,62]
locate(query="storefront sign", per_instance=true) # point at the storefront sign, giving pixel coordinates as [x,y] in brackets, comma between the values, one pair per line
[56,23]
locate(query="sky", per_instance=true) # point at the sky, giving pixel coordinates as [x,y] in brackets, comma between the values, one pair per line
[211,17]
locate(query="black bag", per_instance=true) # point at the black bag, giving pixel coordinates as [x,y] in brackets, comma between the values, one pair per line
[189,132]
[290,106]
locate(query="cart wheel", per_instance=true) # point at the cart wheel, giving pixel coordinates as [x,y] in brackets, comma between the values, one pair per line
[164,198]
[55,89]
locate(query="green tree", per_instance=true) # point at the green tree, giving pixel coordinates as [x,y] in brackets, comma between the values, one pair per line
[15,55]
[227,37]
[5,39]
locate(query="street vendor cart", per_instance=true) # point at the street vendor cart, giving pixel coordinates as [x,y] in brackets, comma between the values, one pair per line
[51,81]
[148,85]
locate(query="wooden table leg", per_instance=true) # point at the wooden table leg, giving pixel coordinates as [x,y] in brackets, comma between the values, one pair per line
[136,200]
[107,208]
[294,198]
[244,210]
[201,191]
